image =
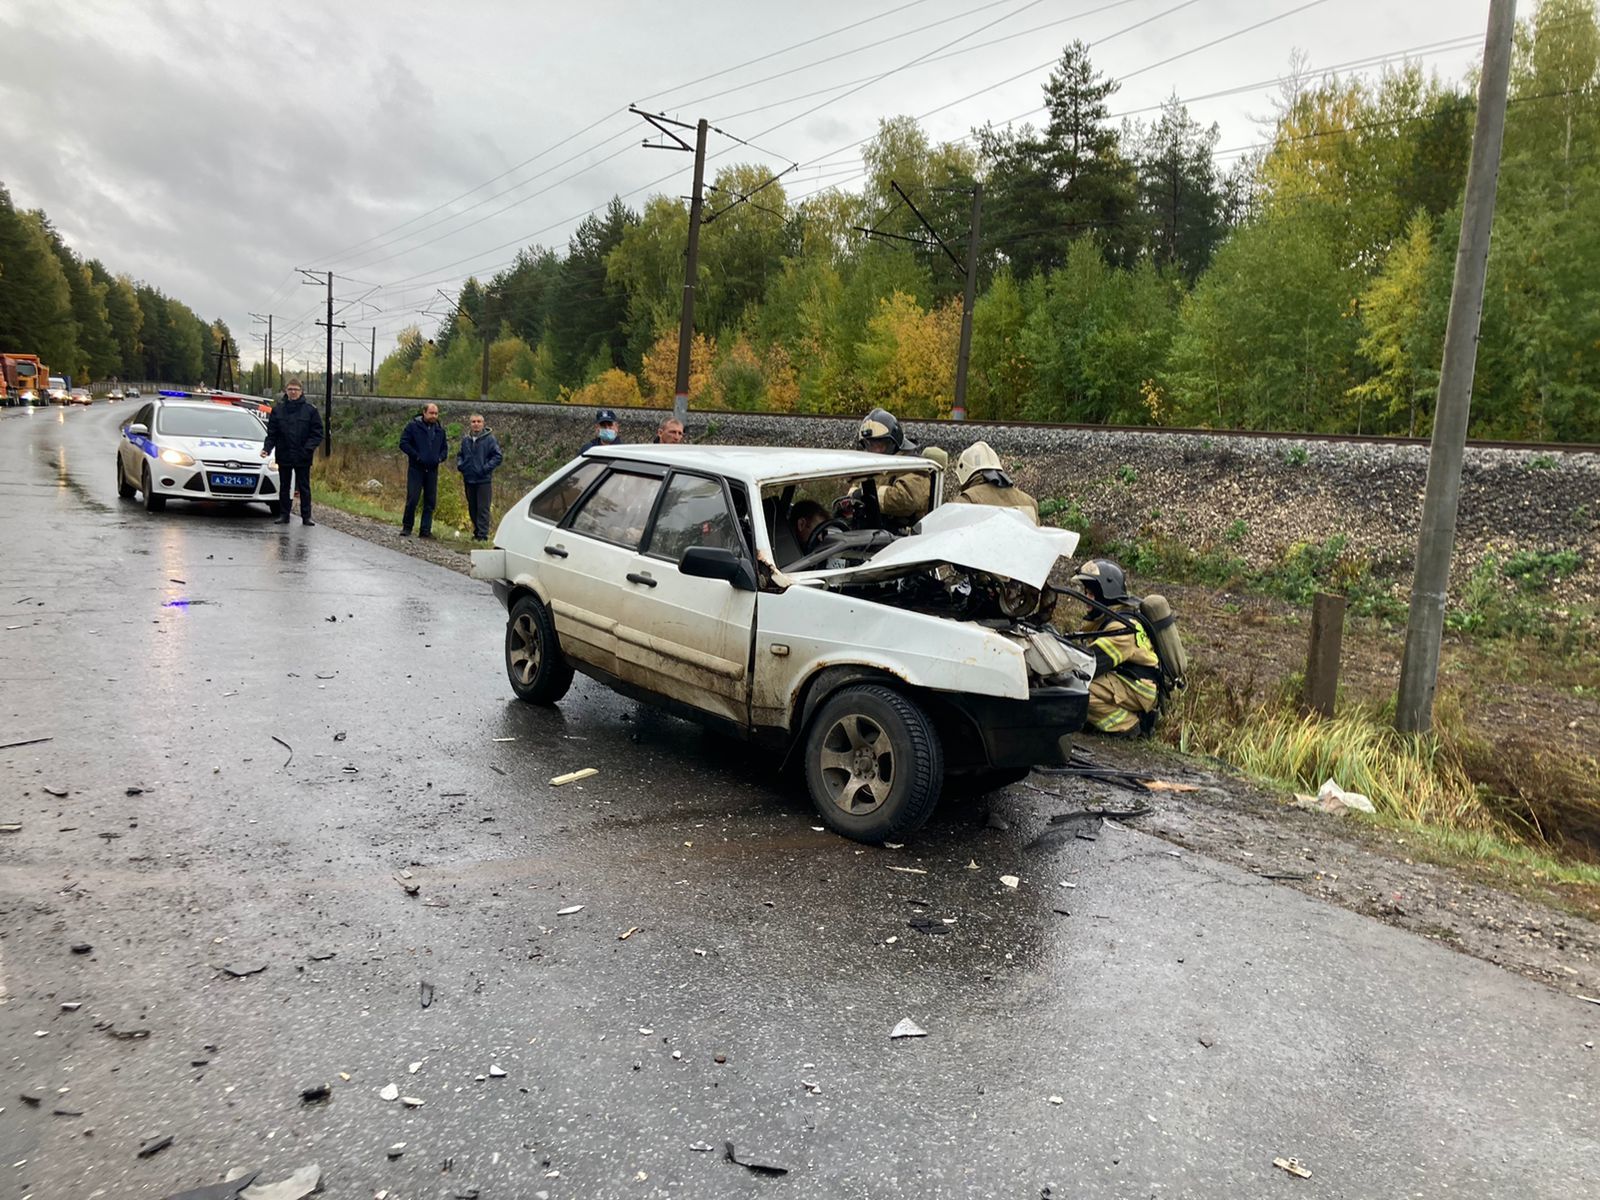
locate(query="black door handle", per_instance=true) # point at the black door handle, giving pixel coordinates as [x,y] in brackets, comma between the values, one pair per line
[555,551]
[635,577]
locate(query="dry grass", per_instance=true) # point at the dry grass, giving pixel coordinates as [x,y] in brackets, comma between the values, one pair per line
[1435,788]
[343,480]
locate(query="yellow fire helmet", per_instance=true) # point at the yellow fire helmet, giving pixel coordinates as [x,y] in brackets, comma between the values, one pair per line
[979,456]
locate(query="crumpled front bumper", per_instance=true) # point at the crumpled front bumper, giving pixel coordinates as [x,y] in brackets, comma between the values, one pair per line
[1036,732]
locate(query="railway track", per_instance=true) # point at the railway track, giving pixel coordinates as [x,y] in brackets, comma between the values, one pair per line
[1357,439]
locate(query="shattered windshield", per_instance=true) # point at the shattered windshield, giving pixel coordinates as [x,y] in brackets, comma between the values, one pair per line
[842,512]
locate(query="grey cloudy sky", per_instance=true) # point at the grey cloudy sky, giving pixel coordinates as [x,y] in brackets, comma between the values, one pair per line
[211,148]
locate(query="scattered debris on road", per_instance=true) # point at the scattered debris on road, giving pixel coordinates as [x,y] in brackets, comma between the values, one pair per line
[389,1091]
[909,870]
[1011,881]
[701,1147]
[25,742]
[427,993]
[1293,1166]
[229,1189]
[627,933]
[286,746]
[908,1029]
[574,776]
[59,793]
[569,910]
[317,1093]
[243,972]
[154,1145]
[302,1183]
[759,1168]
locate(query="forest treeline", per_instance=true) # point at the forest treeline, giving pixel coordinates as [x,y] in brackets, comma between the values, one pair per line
[85,322]
[1131,271]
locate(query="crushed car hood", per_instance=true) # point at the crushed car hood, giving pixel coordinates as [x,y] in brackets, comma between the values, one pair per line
[1001,542]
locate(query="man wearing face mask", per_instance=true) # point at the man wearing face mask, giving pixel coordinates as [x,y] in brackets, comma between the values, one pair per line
[605,430]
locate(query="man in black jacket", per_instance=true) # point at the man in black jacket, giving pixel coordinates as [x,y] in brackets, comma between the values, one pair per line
[425,447]
[294,431]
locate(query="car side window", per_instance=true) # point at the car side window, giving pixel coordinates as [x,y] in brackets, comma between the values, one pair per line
[618,509]
[694,512]
[552,504]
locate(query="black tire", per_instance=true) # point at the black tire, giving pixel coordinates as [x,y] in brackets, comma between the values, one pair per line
[972,784]
[874,764]
[538,671]
[124,488]
[152,502]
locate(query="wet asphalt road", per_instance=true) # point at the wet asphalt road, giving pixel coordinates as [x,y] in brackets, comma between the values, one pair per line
[1195,1022]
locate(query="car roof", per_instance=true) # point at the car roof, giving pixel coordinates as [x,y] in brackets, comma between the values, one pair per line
[762,464]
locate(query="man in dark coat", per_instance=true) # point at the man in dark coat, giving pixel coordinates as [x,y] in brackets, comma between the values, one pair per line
[424,445]
[605,430]
[294,431]
[476,460]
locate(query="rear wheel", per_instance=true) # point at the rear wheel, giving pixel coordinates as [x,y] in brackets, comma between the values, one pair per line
[874,765]
[539,672]
[152,502]
[124,488]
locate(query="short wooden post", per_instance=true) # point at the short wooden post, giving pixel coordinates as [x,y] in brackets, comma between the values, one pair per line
[1322,659]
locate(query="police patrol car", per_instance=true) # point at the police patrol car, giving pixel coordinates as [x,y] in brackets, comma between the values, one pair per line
[186,449]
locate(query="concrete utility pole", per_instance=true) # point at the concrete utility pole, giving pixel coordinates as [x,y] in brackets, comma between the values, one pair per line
[958,408]
[372,365]
[327,373]
[680,397]
[1419,668]
[266,358]
[483,389]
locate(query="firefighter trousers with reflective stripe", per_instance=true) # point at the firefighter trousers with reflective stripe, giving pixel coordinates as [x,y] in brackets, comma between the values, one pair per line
[1116,702]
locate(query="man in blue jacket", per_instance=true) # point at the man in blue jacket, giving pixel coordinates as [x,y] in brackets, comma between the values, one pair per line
[424,445]
[476,460]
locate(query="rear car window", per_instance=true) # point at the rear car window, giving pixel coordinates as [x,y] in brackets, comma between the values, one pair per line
[618,509]
[552,504]
[694,512]
[212,421]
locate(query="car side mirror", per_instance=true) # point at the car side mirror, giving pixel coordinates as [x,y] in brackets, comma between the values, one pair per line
[713,562]
[139,428]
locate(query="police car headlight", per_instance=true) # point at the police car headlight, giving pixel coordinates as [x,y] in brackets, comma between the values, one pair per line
[177,458]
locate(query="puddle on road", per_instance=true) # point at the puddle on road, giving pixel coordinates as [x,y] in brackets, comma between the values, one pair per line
[65,480]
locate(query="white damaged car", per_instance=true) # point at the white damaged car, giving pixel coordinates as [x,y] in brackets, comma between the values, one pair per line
[194,450]
[889,663]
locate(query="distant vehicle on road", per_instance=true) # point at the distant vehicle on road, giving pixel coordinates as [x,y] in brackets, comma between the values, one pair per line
[885,664]
[22,379]
[56,389]
[114,394]
[132,393]
[194,450]
[79,396]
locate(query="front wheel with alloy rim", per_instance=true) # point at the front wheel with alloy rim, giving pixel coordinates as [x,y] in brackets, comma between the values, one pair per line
[152,502]
[539,672]
[874,765]
[124,488]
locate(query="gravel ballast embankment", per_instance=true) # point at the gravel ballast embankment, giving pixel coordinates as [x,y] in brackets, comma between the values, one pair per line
[1259,496]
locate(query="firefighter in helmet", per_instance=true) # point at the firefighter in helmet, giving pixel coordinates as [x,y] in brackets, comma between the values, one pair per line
[982,481]
[1127,673]
[904,497]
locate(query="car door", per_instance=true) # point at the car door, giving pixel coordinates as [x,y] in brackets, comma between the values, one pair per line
[587,558]
[682,636]
[134,452]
